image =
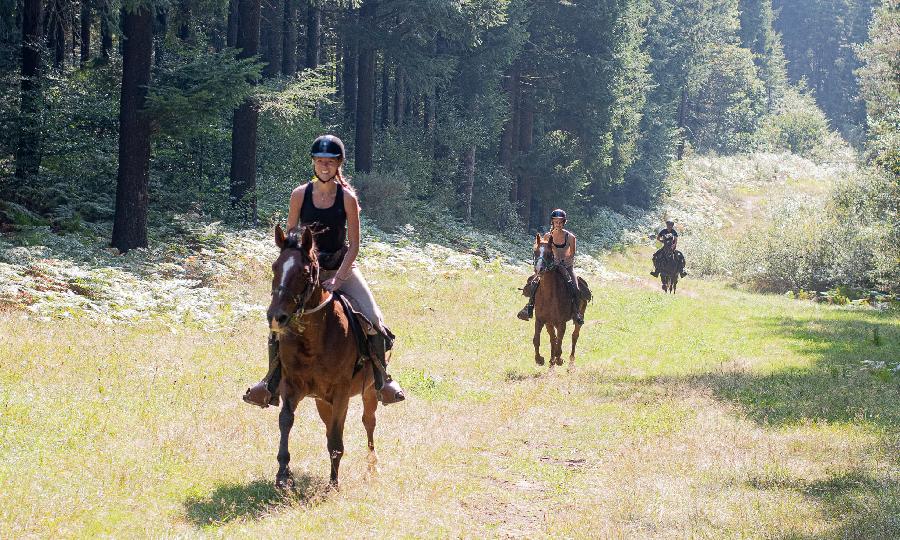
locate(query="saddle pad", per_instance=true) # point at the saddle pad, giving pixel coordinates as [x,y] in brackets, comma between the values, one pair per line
[359,334]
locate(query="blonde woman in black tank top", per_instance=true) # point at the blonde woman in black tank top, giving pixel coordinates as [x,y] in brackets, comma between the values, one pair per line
[328,200]
[563,245]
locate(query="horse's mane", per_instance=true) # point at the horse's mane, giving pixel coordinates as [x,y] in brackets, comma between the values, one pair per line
[294,238]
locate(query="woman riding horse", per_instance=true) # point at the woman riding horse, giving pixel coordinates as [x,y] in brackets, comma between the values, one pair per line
[563,243]
[330,204]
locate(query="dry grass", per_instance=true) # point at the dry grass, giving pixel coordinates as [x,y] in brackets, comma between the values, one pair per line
[712,414]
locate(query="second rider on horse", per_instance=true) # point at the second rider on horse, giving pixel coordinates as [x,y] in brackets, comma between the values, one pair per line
[563,245]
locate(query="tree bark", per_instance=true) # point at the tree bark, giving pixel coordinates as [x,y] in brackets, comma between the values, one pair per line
[105,30]
[313,34]
[526,137]
[28,152]
[243,134]
[399,96]
[271,36]
[185,24]
[365,106]
[130,222]
[350,64]
[233,18]
[469,179]
[85,37]
[385,93]
[289,45]
[56,34]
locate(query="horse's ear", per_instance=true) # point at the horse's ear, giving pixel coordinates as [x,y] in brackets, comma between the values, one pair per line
[537,239]
[307,242]
[279,236]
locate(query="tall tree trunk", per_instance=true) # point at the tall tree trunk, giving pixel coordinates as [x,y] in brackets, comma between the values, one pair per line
[399,96]
[313,34]
[130,222]
[365,106]
[509,137]
[105,30]
[185,22]
[271,37]
[350,64]
[469,180]
[85,37]
[243,133]
[233,18]
[526,137]
[56,35]
[289,45]
[28,152]
[385,93]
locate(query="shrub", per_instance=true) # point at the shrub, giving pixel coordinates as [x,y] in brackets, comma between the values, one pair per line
[798,126]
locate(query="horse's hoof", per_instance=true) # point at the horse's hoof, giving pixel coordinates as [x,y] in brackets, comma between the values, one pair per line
[284,481]
[539,360]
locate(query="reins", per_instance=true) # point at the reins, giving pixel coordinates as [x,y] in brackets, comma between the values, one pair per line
[301,310]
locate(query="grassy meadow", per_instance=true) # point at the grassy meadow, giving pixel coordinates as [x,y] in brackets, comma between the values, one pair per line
[714,413]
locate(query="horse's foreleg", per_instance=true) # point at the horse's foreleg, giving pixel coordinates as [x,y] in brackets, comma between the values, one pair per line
[538,327]
[336,433]
[284,479]
[575,332]
[370,404]
[558,345]
[551,329]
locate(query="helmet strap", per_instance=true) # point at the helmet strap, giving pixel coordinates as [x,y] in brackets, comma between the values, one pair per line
[324,180]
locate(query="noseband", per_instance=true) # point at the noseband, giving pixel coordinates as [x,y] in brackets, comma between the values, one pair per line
[300,299]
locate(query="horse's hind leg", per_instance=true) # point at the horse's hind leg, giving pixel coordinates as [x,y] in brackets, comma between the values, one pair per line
[370,404]
[538,326]
[284,479]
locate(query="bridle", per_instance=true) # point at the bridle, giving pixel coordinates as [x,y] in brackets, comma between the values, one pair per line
[541,254]
[300,299]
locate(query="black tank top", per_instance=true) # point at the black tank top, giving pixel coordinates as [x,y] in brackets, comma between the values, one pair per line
[334,218]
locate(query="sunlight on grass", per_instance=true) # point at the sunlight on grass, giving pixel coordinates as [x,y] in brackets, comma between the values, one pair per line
[712,413]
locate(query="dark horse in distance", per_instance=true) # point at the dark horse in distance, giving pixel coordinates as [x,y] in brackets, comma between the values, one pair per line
[319,354]
[553,304]
[668,264]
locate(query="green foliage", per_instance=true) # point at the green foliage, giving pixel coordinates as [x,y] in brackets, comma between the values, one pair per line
[797,125]
[192,89]
[879,88]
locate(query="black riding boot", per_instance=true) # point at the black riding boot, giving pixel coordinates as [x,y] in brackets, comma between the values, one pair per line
[572,283]
[265,392]
[528,311]
[387,389]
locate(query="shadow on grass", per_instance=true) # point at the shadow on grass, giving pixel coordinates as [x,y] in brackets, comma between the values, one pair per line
[863,506]
[229,502]
[837,386]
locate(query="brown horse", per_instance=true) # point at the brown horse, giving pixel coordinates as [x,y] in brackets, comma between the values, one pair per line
[318,353]
[552,306]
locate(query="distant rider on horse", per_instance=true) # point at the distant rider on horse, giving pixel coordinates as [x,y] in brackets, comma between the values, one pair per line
[563,244]
[658,256]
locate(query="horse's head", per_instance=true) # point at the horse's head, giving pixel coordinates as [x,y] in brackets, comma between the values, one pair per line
[543,255]
[296,275]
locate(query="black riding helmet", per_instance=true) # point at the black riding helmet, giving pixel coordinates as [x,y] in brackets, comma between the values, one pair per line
[670,223]
[327,146]
[558,213]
